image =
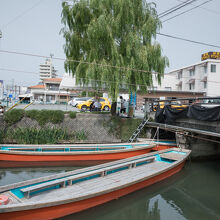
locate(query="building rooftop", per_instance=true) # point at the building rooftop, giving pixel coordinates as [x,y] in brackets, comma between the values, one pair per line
[195,64]
[37,87]
[53,79]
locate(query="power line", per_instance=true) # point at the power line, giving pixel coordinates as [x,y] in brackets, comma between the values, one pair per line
[77,61]
[188,40]
[182,2]
[187,11]
[81,78]
[175,9]
[206,9]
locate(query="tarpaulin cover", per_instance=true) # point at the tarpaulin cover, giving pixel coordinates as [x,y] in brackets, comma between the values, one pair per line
[168,114]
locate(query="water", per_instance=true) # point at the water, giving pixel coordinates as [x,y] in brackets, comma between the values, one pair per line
[192,194]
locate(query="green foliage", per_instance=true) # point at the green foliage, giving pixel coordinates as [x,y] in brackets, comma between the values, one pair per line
[83,94]
[72,115]
[123,128]
[37,136]
[13,116]
[112,33]
[80,135]
[44,116]
[2,135]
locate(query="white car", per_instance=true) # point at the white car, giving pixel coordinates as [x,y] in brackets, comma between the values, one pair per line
[74,102]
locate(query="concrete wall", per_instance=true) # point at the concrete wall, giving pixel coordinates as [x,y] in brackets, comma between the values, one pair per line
[199,144]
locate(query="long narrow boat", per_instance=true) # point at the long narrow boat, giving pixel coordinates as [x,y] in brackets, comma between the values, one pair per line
[68,155]
[66,193]
[159,144]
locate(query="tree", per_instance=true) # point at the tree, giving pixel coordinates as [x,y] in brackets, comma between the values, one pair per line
[104,35]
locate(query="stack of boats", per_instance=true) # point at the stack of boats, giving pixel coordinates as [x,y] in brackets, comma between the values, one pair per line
[118,169]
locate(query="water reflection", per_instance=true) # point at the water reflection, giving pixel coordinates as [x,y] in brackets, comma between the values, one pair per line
[191,194]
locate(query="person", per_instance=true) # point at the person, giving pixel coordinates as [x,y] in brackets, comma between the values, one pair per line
[123,109]
[97,105]
[91,107]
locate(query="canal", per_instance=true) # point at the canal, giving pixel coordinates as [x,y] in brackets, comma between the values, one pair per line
[192,194]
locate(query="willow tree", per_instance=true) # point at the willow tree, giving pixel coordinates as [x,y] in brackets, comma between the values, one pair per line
[114,42]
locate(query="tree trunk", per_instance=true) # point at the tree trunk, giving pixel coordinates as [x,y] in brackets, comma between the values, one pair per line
[113,108]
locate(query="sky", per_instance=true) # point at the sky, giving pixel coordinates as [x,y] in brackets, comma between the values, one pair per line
[34,26]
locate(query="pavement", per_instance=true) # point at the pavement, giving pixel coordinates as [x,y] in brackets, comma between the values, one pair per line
[64,107]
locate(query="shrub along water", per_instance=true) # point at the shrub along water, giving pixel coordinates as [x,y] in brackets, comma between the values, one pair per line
[44,116]
[37,136]
[13,116]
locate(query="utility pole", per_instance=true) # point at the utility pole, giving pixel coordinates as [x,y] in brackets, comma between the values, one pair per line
[0,37]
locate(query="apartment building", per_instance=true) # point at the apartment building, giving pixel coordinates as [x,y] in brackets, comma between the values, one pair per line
[203,76]
[47,70]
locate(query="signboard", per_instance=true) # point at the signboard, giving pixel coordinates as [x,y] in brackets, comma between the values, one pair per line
[211,55]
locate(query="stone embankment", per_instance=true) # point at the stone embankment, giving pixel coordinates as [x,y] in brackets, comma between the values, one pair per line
[95,126]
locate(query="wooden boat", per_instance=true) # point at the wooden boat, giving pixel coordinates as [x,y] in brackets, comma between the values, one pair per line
[159,144]
[66,193]
[68,155]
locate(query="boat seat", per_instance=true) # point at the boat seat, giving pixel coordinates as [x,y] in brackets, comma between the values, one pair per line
[129,164]
[28,190]
[70,179]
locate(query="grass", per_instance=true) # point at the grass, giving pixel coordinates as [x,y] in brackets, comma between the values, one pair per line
[37,136]
[2,135]
[80,135]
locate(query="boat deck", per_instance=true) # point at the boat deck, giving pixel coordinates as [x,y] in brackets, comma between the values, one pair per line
[99,185]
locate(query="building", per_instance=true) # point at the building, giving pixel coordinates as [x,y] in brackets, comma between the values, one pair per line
[47,70]
[1,89]
[50,92]
[200,77]
[168,83]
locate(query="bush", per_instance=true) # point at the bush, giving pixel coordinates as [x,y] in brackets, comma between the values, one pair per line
[13,116]
[45,116]
[72,114]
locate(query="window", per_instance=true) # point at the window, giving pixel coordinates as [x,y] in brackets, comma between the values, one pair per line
[213,68]
[179,75]
[205,69]
[191,86]
[168,88]
[192,72]
[205,84]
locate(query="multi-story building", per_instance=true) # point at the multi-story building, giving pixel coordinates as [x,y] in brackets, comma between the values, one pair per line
[200,77]
[1,89]
[47,70]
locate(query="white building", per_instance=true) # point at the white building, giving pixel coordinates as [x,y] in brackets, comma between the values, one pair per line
[168,83]
[47,70]
[200,77]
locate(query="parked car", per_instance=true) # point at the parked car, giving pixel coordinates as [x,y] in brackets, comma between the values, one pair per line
[105,104]
[174,104]
[2,109]
[74,102]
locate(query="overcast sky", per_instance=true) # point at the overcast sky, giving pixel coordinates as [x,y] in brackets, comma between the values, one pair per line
[33,27]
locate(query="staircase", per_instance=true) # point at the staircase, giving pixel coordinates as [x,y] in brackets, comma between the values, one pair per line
[138,130]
